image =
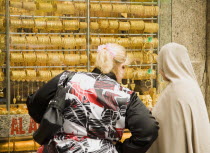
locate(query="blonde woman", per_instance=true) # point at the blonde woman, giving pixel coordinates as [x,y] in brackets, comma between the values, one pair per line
[98,109]
[181,109]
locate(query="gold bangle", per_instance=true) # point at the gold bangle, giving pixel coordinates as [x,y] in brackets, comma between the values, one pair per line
[16,57]
[45,7]
[31,40]
[83,25]
[28,23]
[80,41]
[30,75]
[105,40]
[54,25]
[95,41]
[120,8]
[56,72]
[136,41]
[137,9]
[43,41]
[156,11]
[31,6]
[104,24]
[68,42]
[95,7]
[83,59]
[16,23]
[137,25]
[94,25]
[71,59]
[151,27]
[56,41]
[16,4]
[41,57]
[65,8]
[44,75]
[106,8]
[93,57]
[54,58]
[18,40]
[124,26]
[123,41]
[80,6]
[29,57]
[40,24]
[71,24]
[113,24]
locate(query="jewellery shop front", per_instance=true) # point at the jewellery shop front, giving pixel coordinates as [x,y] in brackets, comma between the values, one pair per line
[40,39]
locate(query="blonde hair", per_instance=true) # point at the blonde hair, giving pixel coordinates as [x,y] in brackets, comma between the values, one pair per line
[109,57]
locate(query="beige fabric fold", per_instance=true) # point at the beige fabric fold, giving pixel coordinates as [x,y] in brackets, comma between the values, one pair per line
[181,109]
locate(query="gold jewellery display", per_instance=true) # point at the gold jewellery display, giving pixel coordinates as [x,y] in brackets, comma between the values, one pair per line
[76,24]
[139,74]
[49,37]
[48,58]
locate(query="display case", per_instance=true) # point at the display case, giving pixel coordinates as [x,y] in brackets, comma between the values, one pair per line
[41,38]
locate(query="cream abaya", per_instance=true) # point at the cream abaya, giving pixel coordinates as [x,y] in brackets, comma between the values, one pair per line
[180,110]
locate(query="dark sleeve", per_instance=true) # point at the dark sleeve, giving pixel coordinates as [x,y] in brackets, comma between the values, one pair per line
[42,97]
[142,125]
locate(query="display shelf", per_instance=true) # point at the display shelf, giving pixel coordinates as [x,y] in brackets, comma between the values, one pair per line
[28,64]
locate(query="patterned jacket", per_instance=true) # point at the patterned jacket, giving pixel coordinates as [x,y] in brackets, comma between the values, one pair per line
[98,110]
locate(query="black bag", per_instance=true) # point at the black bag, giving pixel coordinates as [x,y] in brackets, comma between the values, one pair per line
[52,119]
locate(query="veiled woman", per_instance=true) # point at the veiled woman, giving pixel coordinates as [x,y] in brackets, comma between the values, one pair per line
[181,109]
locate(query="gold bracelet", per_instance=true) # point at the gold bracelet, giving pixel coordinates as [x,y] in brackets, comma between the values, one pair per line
[41,57]
[113,24]
[71,59]
[28,23]
[30,75]
[104,24]
[56,72]
[94,25]
[123,41]
[106,8]
[54,25]
[16,23]
[95,41]
[31,40]
[40,23]
[80,6]
[68,42]
[45,7]
[16,4]
[137,25]
[16,57]
[151,27]
[64,8]
[124,26]
[93,57]
[83,25]
[29,57]
[31,6]
[56,41]
[80,41]
[83,59]
[105,40]
[95,7]
[71,24]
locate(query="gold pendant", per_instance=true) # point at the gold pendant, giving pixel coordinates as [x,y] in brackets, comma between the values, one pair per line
[14,100]
[1,94]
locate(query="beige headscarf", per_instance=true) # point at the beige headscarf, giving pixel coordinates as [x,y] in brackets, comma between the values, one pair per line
[181,109]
